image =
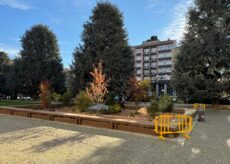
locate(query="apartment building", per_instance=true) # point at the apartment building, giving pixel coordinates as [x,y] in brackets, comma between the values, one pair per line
[154,60]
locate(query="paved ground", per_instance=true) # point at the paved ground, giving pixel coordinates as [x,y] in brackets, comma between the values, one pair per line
[30,141]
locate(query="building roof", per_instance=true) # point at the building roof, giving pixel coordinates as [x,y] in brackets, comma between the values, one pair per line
[154,43]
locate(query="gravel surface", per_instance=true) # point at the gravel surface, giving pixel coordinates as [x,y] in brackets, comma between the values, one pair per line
[24,140]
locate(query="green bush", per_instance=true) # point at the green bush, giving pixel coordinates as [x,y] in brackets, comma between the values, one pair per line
[56,96]
[133,114]
[109,100]
[153,108]
[163,105]
[83,101]
[66,98]
[114,108]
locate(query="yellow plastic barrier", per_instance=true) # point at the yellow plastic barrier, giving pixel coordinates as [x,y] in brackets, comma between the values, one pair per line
[172,124]
[197,106]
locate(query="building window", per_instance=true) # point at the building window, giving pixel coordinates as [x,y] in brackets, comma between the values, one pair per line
[153,50]
[153,57]
[146,51]
[139,51]
[137,64]
[165,62]
[164,55]
[166,47]
[146,58]
[138,72]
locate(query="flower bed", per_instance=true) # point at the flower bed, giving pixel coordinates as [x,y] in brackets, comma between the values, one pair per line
[139,124]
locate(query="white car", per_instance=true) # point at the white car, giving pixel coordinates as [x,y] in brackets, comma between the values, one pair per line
[24,98]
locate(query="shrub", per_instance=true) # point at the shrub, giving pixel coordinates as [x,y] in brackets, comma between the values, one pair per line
[145,85]
[114,108]
[109,100]
[83,101]
[153,108]
[66,98]
[133,114]
[163,105]
[56,96]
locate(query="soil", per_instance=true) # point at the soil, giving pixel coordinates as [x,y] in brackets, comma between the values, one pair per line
[127,114]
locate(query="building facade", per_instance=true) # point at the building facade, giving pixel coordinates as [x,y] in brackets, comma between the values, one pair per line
[154,60]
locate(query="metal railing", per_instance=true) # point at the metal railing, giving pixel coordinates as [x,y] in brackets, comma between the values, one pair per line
[173,124]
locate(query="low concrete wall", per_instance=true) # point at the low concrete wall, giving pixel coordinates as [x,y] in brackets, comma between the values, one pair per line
[79,119]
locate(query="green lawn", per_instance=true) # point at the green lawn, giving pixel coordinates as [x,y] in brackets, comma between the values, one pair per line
[17,102]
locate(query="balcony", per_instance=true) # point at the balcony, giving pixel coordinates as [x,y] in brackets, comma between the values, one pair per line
[165,58]
[146,54]
[138,60]
[164,65]
[164,73]
[164,50]
[146,61]
[152,59]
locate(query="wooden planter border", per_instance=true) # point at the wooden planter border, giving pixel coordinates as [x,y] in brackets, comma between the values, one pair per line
[78,119]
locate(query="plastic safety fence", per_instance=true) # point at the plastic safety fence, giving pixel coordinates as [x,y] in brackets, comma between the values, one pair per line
[173,124]
[198,106]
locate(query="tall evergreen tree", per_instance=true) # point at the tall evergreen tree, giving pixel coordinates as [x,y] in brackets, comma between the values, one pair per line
[104,38]
[15,79]
[41,60]
[4,67]
[80,70]
[203,64]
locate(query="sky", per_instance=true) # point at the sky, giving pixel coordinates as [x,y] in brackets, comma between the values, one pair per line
[142,19]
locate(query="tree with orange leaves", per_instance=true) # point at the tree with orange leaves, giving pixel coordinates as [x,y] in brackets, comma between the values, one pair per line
[45,94]
[98,88]
[135,91]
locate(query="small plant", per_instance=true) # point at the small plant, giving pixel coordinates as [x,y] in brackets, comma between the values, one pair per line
[135,91]
[153,108]
[66,98]
[145,85]
[109,100]
[115,107]
[163,105]
[133,114]
[56,96]
[83,102]
[45,94]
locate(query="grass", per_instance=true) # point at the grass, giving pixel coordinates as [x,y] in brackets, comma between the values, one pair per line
[17,102]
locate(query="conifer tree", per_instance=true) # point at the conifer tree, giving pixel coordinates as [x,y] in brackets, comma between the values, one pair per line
[202,66]
[4,68]
[104,38]
[41,60]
